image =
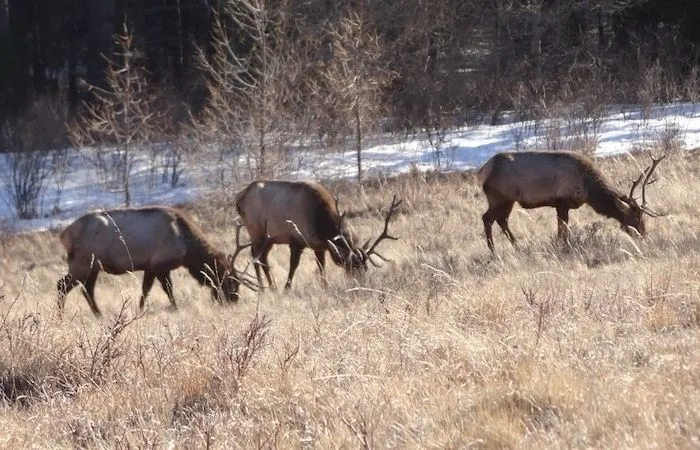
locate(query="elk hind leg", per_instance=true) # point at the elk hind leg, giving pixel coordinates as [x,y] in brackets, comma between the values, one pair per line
[261,250]
[502,220]
[497,212]
[89,292]
[488,219]
[167,285]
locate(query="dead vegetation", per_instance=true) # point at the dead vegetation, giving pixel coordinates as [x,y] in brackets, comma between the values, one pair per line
[592,345]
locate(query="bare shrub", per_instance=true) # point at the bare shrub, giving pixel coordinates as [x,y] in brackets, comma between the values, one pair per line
[178,131]
[28,141]
[585,97]
[352,78]
[172,163]
[554,136]
[197,399]
[541,308]
[250,95]
[119,117]
[109,347]
[27,174]
[238,355]
[60,169]
[648,88]
[592,245]
[670,139]
[285,356]
[31,370]
[692,85]
[583,130]
[438,126]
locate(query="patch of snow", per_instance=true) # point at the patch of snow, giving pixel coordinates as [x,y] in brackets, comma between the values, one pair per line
[621,130]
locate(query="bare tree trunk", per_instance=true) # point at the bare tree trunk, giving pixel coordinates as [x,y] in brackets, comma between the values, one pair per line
[100,29]
[263,151]
[4,23]
[499,60]
[127,192]
[536,43]
[126,175]
[358,130]
[264,59]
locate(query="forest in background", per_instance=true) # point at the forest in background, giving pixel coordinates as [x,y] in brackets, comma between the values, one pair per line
[422,61]
[258,78]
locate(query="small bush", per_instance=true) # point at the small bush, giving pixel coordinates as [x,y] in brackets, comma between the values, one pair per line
[27,174]
[27,142]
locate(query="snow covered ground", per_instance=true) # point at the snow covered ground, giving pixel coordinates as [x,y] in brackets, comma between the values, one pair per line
[623,129]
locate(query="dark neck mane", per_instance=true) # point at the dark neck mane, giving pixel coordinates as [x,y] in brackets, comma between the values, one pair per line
[602,197]
[202,260]
[204,263]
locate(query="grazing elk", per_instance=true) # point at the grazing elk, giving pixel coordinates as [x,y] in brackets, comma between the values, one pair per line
[303,214]
[153,239]
[563,180]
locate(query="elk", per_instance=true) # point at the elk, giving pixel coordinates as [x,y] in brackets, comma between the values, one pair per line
[563,180]
[303,214]
[154,239]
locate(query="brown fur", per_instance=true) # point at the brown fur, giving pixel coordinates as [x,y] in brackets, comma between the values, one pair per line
[267,206]
[154,239]
[563,180]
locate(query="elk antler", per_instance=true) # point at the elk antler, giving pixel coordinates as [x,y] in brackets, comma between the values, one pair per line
[634,186]
[340,237]
[242,276]
[342,215]
[654,162]
[385,235]
[239,247]
[644,180]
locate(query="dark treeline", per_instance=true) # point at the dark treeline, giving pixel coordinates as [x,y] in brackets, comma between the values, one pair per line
[48,45]
[439,60]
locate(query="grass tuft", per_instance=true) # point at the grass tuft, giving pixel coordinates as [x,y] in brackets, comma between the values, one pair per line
[592,344]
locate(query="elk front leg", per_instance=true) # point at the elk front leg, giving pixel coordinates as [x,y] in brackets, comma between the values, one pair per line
[294,258]
[321,263]
[563,223]
[148,278]
[261,250]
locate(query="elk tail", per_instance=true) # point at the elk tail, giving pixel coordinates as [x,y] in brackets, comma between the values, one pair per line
[70,234]
[485,170]
[240,196]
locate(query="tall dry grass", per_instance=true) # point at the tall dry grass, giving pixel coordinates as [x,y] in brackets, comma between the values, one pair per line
[597,345]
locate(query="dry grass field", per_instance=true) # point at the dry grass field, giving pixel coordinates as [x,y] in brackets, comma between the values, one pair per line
[596,345]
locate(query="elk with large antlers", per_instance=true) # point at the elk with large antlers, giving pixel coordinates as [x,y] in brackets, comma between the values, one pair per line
[303,214]
[154,239]
[563,180]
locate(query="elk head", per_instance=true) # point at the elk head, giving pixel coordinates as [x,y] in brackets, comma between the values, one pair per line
[353,258]
[633,211]
[227,288]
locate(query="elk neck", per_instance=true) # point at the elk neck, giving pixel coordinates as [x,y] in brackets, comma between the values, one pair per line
[603,198]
